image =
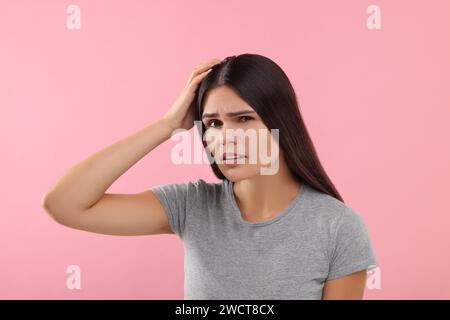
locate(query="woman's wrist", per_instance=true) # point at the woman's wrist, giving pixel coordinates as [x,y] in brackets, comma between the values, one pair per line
[168,125]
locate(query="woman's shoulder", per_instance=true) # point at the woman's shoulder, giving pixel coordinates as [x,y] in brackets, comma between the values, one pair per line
[204,187]
[329,208]
[201,183]
[191,193]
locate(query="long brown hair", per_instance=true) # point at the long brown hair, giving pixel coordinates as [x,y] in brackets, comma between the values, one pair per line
[266,88]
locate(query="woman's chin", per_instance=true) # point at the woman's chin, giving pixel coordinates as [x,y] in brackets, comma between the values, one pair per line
[237,172]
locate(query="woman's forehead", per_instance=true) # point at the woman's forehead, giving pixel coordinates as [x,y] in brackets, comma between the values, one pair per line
[224,100]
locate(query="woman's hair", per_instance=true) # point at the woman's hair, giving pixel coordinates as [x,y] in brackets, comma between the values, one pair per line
[266,88]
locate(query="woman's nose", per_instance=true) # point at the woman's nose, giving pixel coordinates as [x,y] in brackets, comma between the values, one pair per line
[228,131]
[232,134]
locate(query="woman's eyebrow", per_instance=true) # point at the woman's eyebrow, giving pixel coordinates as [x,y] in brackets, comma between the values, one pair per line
[229,114]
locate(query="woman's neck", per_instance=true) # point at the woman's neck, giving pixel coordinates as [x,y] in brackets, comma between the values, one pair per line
[263,197]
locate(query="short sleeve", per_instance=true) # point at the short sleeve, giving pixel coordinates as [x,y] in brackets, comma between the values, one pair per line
[352,250]
[177,199]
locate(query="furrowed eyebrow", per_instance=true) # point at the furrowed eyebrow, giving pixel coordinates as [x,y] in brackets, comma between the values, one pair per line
[230,114]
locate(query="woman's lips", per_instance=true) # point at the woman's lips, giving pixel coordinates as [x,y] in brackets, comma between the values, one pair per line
[230,156]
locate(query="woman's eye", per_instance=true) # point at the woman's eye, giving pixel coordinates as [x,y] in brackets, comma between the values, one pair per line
[246,118]
[214,123]
[211,123]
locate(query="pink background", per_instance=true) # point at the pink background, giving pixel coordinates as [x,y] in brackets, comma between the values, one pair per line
[376,102]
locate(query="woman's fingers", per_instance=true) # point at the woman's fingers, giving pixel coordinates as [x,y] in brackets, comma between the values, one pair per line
[201,68]
[198,78]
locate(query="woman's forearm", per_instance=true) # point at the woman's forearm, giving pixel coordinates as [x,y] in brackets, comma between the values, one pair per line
[83,185]
[86,182]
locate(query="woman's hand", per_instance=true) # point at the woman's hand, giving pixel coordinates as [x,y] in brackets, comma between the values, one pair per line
[179,115]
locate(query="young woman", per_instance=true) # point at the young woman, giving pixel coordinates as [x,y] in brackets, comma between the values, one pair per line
[284,235]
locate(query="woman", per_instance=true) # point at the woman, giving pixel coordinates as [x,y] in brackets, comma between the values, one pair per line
[282,235]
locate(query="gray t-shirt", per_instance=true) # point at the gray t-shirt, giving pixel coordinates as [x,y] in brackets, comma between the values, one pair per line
[316,238]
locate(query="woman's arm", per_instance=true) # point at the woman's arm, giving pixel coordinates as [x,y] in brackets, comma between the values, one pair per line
[350,287]
[78,198]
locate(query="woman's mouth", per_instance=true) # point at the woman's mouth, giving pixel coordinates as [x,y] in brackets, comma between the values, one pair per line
[232,158]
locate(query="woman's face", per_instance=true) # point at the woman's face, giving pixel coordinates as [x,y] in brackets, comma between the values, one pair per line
[237,138]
